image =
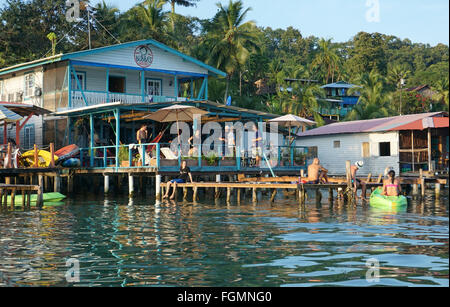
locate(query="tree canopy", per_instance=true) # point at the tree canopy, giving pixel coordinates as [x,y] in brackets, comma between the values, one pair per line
[33,29]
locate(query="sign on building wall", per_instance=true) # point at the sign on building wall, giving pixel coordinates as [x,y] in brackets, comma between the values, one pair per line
[143,56]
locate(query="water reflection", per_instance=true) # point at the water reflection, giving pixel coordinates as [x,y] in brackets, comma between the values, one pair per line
[211,243]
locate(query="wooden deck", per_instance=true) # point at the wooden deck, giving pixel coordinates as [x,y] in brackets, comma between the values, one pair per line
[25,190]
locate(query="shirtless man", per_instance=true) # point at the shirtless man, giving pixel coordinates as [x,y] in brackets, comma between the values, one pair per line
[317,173]
[356,182]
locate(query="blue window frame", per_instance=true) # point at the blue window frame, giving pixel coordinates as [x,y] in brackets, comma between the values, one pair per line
[29,135]
[81,77]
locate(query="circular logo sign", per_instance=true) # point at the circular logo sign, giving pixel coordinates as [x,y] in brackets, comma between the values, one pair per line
[143,56]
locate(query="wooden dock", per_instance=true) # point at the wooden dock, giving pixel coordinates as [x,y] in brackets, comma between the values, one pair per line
[26,190]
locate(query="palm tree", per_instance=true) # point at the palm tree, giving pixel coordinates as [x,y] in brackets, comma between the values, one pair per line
[373,102]
[185,3]
[151,13]
[108,16]
[230,39]
[441,89]
[327,59]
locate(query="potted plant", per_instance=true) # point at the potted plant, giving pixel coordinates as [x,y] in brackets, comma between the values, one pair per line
[137,160]
[211,159]
[124,156]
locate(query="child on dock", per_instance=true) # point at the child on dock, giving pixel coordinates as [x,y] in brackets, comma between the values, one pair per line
[185,173]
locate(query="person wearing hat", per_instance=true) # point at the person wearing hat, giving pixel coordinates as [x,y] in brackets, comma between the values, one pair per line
[355,181]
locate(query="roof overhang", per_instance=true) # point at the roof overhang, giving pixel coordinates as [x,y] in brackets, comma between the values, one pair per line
[25,109]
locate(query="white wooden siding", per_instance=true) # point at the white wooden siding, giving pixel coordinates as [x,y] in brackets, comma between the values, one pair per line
[161,60]
[16,84]
[96,80]
[351,149]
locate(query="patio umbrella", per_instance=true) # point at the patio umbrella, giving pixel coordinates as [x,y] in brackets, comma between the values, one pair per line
[292,121]
[176,114]
[9,116]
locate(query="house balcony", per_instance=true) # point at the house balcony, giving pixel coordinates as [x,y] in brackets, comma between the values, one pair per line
[80,99]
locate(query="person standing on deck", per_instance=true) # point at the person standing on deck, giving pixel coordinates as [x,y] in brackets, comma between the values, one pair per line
[356,182]
[256,149]
[142,136]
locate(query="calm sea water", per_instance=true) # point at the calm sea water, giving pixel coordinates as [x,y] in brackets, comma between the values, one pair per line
[119,243]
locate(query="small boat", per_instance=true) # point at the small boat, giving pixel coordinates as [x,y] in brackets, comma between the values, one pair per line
[68,152]
[389,202]
[48,198]
[44,158]
[71,163]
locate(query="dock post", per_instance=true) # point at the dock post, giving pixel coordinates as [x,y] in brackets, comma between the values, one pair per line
[415,190]
[158,187]
[70,184]
[274,194]
[437,190]
[130,185]
[330,195]
[254,196]
[217,189]
[318,196]
[185,194]
[106,184]
[228,195]
[422,183]
[57,183]
[194,198]
[350,192]
[40,194]
[13,199]
[1,198]
[238,195]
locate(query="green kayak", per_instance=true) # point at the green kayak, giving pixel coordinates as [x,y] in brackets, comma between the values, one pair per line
[48,198]
[389,202]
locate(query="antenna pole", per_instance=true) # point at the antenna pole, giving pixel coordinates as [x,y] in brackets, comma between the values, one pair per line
[89,27]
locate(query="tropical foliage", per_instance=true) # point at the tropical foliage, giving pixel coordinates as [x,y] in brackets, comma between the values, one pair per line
[32,29]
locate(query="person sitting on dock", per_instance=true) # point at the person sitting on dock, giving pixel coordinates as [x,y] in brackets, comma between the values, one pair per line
[317,173]
[392,186]
[355,181]
[185,173]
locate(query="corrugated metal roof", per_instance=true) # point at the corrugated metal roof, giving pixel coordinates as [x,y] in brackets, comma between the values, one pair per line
[372,125]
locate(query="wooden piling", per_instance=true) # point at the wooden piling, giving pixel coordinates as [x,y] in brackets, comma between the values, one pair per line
[228,194]
[195,196]
[437,190]
[158,187]
[40,194]
[130,185]
[422,183]
[274,194]
[13,198]
[254,195]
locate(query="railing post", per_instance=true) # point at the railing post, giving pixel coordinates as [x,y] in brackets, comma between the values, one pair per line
[130,156]
[292,156]
[143,155]
[238,158]
[36,158]
[105,157]
[199,155]
[158,155]
[52,154]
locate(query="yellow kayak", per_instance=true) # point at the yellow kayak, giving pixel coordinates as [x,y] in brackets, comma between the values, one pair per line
[44,158]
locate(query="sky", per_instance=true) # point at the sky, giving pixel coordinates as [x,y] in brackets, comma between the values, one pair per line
[421,21]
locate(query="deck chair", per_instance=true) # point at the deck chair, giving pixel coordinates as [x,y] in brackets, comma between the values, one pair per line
[168,154]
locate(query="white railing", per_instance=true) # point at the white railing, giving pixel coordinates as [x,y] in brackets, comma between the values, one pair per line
[95,98]
[86,98]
